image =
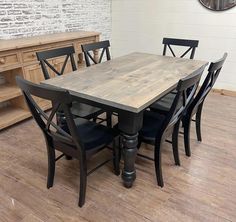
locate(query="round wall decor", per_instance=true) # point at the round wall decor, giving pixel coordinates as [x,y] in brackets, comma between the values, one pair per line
[218,5]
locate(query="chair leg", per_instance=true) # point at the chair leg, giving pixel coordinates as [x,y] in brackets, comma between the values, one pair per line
[109,119]
[51,166]
[187,125]
[116,155]
[198,122]
[157,159]
[83,182]
[175,136]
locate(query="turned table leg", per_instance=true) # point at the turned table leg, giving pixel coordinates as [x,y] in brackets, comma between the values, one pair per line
[130,143]
[129,125]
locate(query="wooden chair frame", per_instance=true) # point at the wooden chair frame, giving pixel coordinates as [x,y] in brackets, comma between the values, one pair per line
[45,55]
[197,104]
[192,44]
[87,48]
[56,137]
[89,111]
[186,89]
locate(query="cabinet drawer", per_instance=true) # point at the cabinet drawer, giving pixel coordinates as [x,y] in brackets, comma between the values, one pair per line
[30,56]
[10,59]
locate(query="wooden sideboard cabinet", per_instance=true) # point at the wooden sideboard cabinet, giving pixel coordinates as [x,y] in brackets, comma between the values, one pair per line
[17,57]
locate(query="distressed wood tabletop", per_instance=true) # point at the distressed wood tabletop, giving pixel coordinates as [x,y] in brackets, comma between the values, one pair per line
[130,83]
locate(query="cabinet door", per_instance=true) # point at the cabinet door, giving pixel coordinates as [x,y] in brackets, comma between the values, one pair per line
[34,74]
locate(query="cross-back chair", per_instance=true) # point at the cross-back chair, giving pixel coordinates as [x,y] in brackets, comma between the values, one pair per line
[168,43]
[91,47]
[158,127]
[78,109]
[104,47]
[78,138]
[196,106]
[43,57]
[191,44]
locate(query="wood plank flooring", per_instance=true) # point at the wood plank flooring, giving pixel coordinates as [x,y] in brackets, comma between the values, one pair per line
[203,188]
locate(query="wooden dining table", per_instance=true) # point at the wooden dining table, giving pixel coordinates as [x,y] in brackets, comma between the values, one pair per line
[127,85]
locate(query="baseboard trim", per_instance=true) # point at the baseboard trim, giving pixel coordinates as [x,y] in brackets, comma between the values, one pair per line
[224,92]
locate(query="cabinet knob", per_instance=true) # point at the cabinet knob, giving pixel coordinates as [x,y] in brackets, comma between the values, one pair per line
[33,55]
[2,60]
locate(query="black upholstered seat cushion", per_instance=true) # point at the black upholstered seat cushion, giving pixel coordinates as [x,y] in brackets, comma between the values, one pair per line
[93,135]
[152,122]
[84,110]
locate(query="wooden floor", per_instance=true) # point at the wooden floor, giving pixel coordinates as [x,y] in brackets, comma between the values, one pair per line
[203,188]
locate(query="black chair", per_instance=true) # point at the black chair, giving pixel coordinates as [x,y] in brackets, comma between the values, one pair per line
[196,106]
[87,48]
[91,47]
[191,44]
[168,42]
[163,105]
[78,109]
[78,138]
[157,127]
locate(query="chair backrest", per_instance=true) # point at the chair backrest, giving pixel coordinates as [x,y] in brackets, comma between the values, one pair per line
[213,73]
[191,44]
[61,99]
[43,57]
[186,89]
[87,48]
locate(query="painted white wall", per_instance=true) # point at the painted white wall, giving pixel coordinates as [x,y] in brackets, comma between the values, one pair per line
[140,25]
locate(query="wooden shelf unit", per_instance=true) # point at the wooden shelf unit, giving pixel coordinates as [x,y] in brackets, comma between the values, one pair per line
[8,91]
[11,115]
[18,57]
[13,111]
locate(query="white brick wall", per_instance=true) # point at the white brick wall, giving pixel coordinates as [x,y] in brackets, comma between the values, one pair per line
[35,17]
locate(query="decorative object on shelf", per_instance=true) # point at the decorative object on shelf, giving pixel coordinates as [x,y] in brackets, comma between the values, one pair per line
[218,5]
